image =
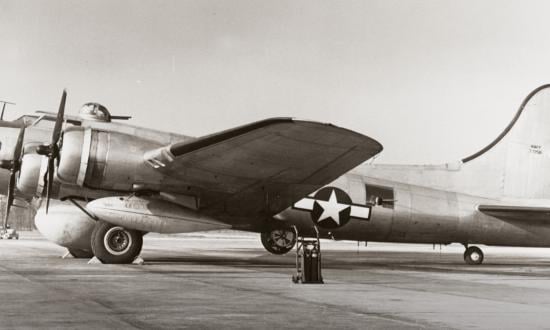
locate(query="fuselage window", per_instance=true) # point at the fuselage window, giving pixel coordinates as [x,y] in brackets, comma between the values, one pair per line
[380,195]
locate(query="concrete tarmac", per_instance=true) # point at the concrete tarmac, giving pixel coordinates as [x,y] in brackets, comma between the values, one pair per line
[227,281]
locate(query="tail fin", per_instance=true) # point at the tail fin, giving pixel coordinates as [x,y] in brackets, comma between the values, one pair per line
[517,162]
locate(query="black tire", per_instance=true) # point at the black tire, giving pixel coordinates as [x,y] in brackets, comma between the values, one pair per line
[81,254]
[473,255]
[114,244]
[278,241]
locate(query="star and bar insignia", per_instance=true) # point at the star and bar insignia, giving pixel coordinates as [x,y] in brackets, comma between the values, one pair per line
[331,207]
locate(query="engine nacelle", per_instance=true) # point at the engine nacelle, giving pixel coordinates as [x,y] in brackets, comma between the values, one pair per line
[152,215]
[105,160]
[65,225]
[29,175]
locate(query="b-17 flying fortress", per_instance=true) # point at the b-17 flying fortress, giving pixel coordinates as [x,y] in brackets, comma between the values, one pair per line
[279,177]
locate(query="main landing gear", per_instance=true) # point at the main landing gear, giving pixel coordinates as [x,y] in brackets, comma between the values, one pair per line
[473,255]
[113,244]
[81,254]
[279,240]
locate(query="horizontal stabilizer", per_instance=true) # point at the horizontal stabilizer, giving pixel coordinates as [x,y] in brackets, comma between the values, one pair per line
[520,213]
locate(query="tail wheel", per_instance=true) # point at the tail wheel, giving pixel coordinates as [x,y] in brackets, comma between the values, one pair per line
[279,241]
[114,244]
[78,253]
[473,255]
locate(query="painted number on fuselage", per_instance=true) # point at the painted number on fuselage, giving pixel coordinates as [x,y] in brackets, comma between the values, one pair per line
[535,149]
[331,208]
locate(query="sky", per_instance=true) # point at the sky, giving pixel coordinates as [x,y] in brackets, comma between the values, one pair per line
[432,80]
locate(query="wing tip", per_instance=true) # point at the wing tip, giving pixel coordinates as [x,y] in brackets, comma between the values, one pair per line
[372,142]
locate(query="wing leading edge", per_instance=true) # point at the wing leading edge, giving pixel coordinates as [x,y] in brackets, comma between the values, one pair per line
[267,165]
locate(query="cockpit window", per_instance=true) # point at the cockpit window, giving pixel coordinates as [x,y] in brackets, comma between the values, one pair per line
[47,121]
[44,122]
[27,119]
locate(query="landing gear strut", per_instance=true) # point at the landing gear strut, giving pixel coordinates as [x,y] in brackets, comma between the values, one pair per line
[114,244]
[473,255]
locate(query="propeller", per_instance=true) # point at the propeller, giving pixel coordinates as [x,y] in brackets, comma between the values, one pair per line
[52,150]
[14,168]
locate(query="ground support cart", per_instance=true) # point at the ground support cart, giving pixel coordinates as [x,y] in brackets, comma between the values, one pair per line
[308,260]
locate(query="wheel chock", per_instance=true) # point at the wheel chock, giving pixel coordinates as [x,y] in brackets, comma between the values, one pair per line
[67,255]
[138,261]
[94,261]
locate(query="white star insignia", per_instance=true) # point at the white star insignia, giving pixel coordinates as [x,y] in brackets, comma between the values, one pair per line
[331,208]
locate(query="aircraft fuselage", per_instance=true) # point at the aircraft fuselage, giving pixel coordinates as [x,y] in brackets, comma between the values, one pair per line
[407,213]
[245,178]
[415,214]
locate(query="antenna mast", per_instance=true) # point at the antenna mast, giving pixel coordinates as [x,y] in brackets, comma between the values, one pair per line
[4,108]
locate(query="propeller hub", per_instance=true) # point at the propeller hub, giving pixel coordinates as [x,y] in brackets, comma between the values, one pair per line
[6,164]
[47,150]
[43,149]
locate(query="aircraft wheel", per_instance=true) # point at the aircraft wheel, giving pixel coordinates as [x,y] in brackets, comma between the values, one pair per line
[279,241]
[114,244]
[81,254]
[473,255]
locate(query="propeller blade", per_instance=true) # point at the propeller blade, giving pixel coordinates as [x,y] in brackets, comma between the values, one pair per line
[60,117]
[49,183]
[52,150]
[15,166]
[17,154]
[45,183]
[10,198]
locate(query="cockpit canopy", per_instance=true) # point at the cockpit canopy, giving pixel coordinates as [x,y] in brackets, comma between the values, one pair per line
[95,111]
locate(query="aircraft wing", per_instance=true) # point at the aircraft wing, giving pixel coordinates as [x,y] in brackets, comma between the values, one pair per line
[520,213]
[267,165]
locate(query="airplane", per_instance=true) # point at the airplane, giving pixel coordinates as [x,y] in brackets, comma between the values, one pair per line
[279,177]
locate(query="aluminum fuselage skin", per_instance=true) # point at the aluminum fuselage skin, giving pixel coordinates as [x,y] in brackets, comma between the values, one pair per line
[423,215]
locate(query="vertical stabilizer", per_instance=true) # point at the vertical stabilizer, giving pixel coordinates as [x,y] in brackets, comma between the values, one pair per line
[517,163]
